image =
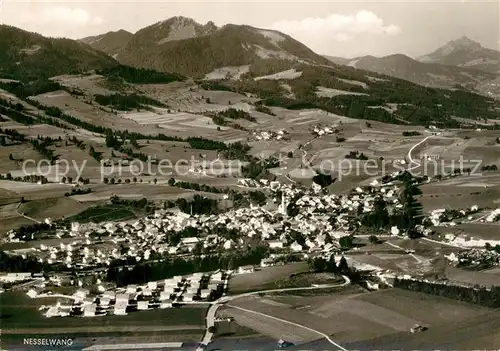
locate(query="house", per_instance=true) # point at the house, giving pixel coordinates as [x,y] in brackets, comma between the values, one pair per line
[109,295]
[122,298]
[216,276]
[167,303]
[246,269]
[89,310]
[204,293]
[33,292]
[142,305]
[152,285]
[104,302]
[88,300]
[120,308]
[164,295]
[131,289]
[192,290]
[81,293]
[275,244]
[188,297]
[15,277]
[147,292]
[296,247]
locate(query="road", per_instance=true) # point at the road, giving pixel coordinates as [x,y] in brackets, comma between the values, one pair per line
[301,148]
[412,161]
[295,324]
[23,215]
[210,319]
[404,250]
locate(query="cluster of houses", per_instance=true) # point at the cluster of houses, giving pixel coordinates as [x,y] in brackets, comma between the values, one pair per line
[280,135]
[445,217]
[321,130]
[321,220]
[474,258]
[175,291]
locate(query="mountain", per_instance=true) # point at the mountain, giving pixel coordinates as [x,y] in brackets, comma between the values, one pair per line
[30,56]
[111,43]
[465,52]
[182,45]
[427,74]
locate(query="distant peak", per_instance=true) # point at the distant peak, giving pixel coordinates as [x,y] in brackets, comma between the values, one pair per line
[179,20]
[464,41]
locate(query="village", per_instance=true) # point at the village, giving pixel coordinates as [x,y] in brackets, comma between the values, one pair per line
[297,224]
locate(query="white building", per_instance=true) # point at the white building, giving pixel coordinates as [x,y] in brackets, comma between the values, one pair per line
[142,305]
[246,269]
[89,310]
[296,247]
[275,244]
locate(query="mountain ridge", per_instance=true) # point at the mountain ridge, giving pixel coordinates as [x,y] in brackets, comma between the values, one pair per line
[29,56]
[169,46]
[465,52]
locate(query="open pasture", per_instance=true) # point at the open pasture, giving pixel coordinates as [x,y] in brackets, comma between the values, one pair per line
[461,192]
[91,84]
[55,208]
[359,316]
[264,278]
[92,113]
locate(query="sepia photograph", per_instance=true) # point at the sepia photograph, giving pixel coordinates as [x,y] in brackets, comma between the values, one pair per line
[223,175]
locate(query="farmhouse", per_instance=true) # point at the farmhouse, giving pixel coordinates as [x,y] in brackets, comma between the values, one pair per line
[246,269]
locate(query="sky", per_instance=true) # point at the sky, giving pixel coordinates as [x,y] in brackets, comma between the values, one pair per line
[346,29]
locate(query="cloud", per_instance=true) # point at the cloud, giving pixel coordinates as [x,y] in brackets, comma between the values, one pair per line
[337,26]
[60,16]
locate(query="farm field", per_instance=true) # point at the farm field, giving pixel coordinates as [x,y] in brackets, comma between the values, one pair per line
[264,278]
[352,316]
[55,208]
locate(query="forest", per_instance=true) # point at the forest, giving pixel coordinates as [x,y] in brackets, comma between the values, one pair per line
[488,297]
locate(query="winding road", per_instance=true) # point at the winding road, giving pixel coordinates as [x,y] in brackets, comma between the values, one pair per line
[210,319]
[412,161]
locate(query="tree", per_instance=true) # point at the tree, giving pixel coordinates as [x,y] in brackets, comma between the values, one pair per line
[373,239]
[155,180]
[134,180]
[318,264]
[127,181]
[331,265]
[343,267]
[212,329]
[290,154]
[112,181]
[63,179]
[171,182]
[105,180]
[11,157]
[70,180]
[346,242]
[412,209]
[231,265]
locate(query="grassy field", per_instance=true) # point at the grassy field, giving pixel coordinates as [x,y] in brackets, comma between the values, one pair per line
[103,213]
[264,278]
[55,208]
[353,317]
